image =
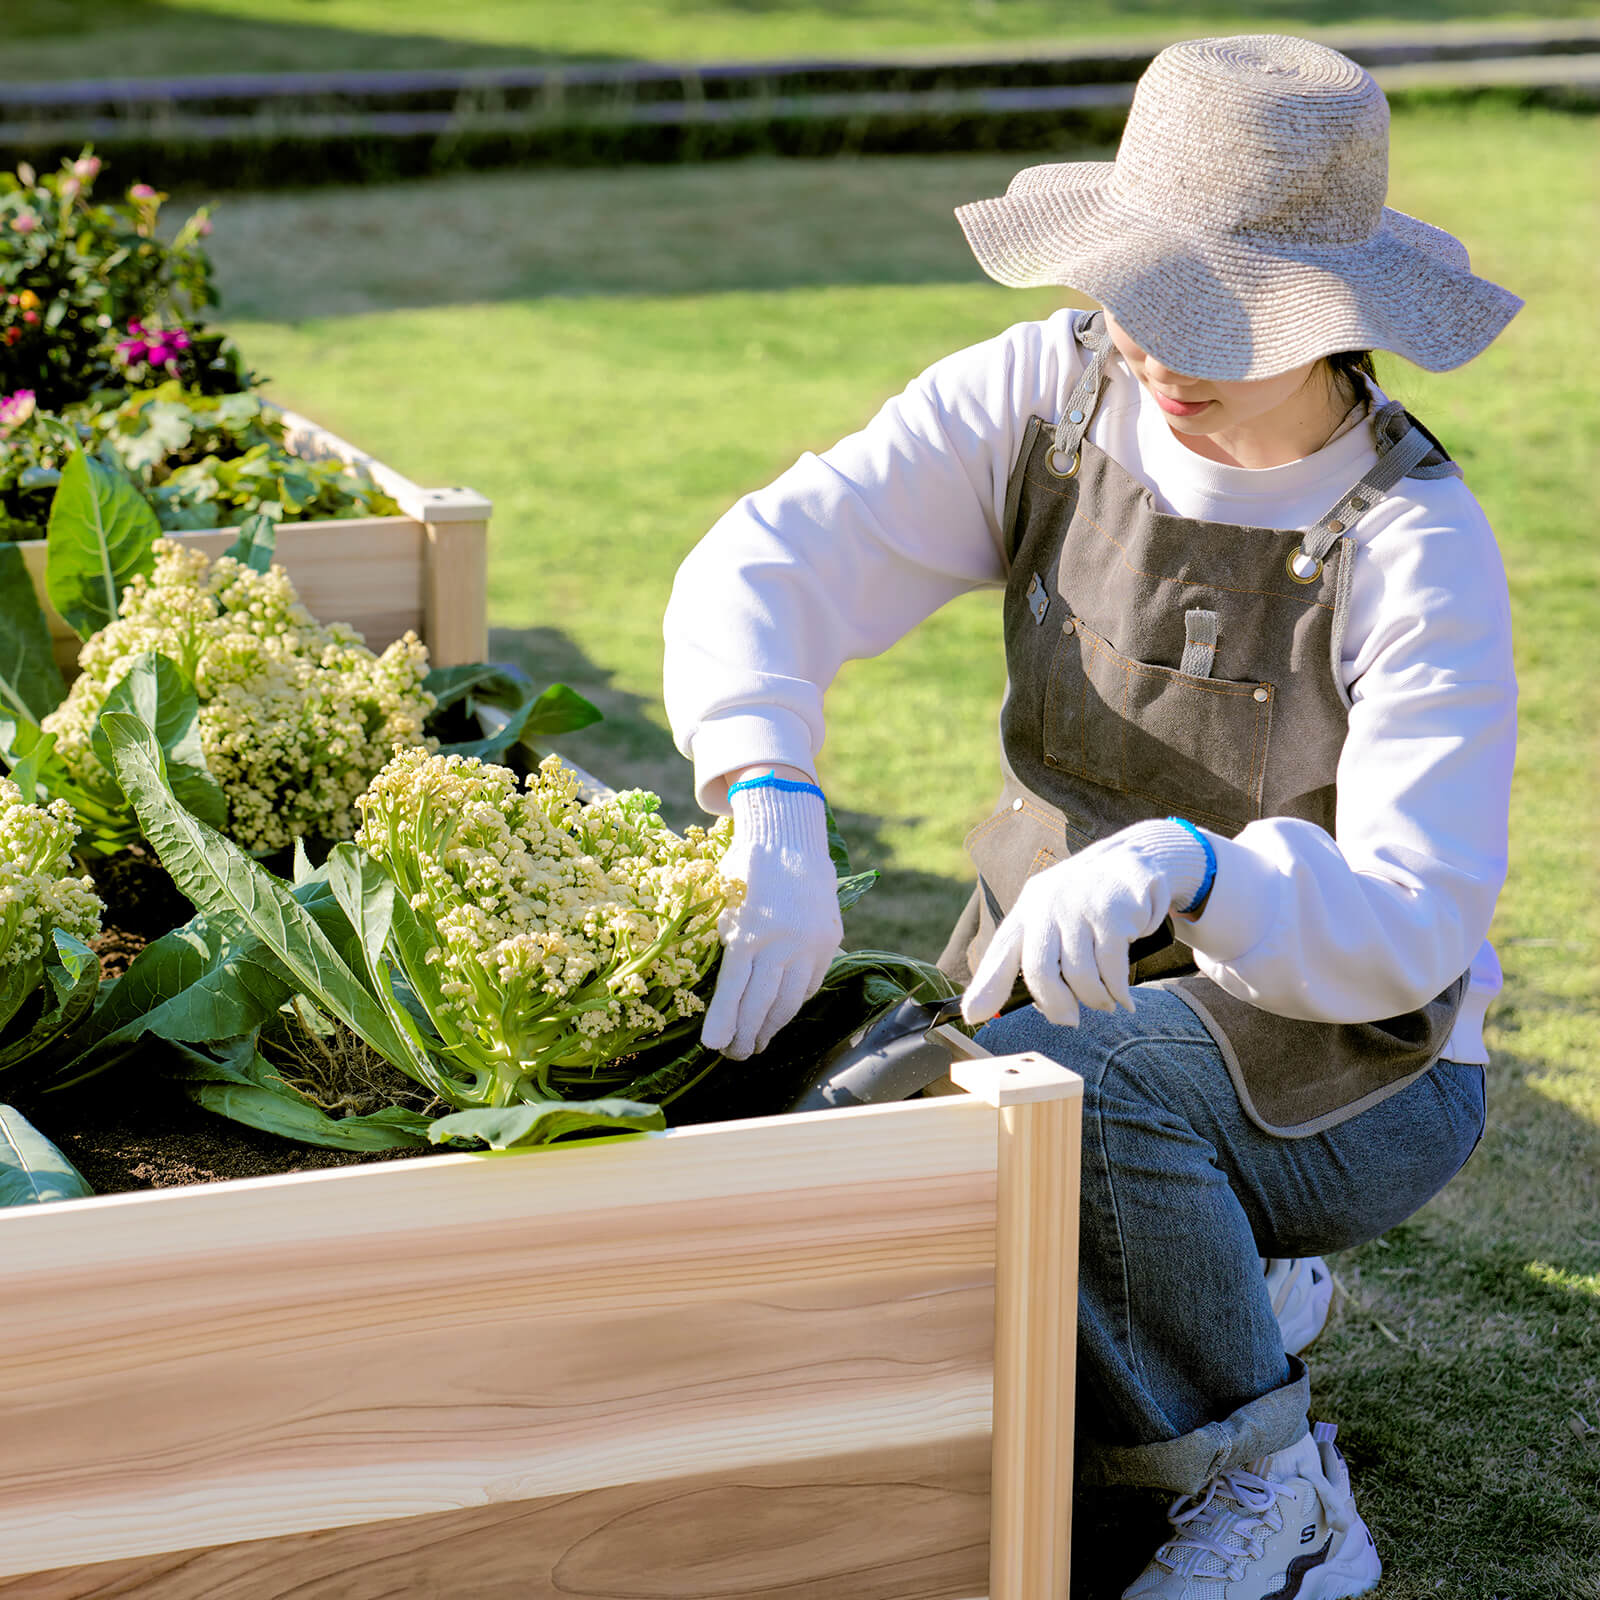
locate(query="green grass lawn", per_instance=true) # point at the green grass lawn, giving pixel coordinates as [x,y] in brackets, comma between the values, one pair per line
[93,38]
[615,357]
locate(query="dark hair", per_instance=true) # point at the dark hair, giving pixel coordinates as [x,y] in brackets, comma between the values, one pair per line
[1347,368]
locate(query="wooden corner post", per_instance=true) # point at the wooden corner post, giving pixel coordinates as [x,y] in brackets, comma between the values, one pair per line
[455,581]
[1035,1320]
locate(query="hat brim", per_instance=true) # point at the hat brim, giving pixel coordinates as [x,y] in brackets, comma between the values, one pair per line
[1228,307]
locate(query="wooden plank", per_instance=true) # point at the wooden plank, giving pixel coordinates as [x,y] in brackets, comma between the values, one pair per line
[258,1359]
[454,585]
[874,1525]
[1036,1319]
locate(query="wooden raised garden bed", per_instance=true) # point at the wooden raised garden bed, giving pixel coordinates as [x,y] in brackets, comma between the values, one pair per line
[425,570]
[743,1360]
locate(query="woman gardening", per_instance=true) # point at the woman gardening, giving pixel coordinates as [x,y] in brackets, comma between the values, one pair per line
[1256,745]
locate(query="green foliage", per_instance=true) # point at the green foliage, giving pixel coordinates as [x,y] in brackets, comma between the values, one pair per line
[79,280]
[198,460]
[45,1002]
[31,684]
[32,1170]
[101,536]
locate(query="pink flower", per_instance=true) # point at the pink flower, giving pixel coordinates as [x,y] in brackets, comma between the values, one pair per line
[132,351]
[86,168]
[70,188]
[203,227]
[30,316]
[15,408]
[141,191]
[24,222]
[136,328]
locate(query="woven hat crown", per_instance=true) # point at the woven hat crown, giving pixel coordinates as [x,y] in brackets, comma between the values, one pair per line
[1259,137]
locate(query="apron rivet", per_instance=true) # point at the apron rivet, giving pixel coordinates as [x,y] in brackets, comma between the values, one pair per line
[1260,692]
[1050,761]
[1336,526]
[1074,416]
[1358,505]
[1016,805]
[1070,625]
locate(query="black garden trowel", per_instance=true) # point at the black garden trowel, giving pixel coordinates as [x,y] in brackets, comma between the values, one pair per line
[892,1056]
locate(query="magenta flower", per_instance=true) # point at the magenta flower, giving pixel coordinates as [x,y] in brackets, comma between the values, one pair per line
[15,408]
[141,191]
[24,222]
[86,168]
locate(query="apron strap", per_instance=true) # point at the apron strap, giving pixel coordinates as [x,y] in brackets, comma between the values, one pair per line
[1074,423]
[1406,449]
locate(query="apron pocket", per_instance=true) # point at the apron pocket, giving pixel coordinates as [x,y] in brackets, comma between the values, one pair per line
[1195,745]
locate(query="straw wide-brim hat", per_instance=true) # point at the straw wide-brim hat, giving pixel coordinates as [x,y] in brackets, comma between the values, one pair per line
[1241,230]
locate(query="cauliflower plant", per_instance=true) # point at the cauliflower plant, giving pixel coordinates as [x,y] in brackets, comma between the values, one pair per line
[38,890]
[558,936]
[296,716]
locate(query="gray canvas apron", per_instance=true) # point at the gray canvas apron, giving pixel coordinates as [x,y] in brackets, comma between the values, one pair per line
[1166,666]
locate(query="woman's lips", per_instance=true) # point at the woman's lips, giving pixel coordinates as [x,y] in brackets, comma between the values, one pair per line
[1179,408]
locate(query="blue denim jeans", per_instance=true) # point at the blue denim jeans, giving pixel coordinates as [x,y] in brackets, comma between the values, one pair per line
[1181,1369]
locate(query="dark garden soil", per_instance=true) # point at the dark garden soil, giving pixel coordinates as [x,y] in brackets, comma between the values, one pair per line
[130,1128]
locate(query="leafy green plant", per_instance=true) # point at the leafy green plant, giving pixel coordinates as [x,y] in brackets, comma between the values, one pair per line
[271,724]
[48,974]
[32,1170]
[91,296]
[432,956]
[199,460]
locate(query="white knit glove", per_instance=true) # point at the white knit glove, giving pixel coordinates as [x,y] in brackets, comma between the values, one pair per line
[777,944]
[1072,924]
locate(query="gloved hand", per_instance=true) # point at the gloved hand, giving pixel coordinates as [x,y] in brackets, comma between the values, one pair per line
[777,944]
[1072,924]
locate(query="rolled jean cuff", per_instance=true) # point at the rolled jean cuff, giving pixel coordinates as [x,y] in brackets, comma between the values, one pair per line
[1185,1465]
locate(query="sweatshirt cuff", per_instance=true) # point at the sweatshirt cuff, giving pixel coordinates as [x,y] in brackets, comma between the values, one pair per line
[733,740]
[1243,907]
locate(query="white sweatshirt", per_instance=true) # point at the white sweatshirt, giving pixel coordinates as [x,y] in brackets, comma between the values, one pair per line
[848,550]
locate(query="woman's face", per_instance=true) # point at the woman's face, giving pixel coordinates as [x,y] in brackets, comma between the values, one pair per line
[1198,406]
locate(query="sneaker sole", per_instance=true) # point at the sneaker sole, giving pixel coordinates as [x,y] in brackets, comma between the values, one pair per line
[1345,1576]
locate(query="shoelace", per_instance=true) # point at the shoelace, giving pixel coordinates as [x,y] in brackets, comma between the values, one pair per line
[1255,1495]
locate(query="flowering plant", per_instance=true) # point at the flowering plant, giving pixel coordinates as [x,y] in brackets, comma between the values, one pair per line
[502,947]
[48,913]
[558,935]
[294,717]
[76,276]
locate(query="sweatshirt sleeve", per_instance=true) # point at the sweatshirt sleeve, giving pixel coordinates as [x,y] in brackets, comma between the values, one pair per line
[1383,916]
[847,551]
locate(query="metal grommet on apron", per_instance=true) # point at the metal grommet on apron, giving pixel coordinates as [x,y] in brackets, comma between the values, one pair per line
[1195,673]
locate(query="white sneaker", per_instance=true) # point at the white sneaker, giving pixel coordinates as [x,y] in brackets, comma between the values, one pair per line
[1301,1290]
[1281,1528]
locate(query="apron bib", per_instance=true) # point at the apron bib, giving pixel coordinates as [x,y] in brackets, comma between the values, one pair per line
[1163,665]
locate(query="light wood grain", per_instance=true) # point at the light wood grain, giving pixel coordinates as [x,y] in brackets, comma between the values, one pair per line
[1036,1329]
[455,579]
[264,1358]
[876,1525]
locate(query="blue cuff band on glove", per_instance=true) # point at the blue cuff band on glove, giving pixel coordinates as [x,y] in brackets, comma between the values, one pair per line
[772,781]
[1211,867]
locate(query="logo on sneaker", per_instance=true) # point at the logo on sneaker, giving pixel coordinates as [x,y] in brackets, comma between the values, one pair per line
[1308,1533]
[1295,1577]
